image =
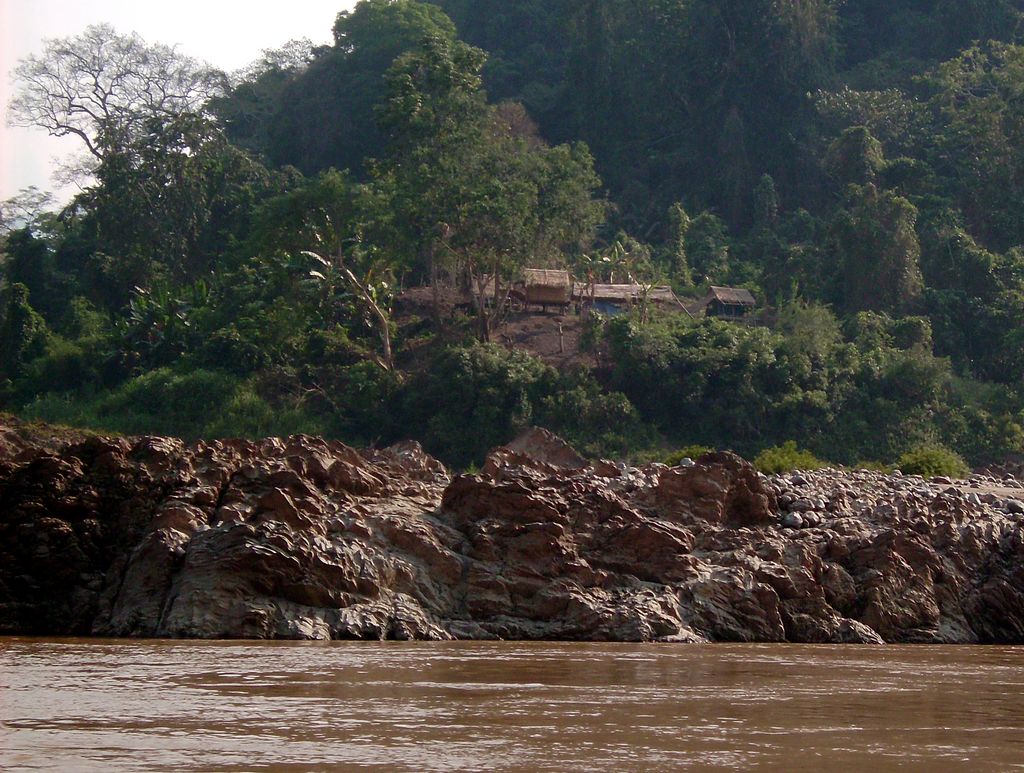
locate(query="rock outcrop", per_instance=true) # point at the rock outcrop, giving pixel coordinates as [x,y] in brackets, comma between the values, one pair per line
[303,538]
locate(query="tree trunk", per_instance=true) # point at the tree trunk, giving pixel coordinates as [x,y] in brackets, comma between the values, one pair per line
[483,316]
[435,289]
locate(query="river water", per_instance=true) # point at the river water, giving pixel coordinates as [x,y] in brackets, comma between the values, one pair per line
[119,705]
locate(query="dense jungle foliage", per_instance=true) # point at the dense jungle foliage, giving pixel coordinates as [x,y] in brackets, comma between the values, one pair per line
[236,261]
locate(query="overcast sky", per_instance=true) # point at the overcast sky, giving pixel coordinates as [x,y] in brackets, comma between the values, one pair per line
[229,35]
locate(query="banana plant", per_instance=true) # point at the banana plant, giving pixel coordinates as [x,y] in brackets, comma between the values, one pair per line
[372,294]
[158,324]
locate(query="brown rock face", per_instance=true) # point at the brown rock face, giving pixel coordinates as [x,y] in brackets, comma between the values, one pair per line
[722,489]
[304,538]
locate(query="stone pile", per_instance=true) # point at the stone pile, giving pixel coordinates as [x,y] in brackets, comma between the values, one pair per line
[812,498]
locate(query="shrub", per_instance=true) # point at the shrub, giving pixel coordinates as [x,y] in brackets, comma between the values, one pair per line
[785,458]
[170,402]
[596,423]
[67,410]
[359,402]
[474,398]
[686,452]
[928,461]
[83,320]
[192,405]
[227,350]
[163,402]
[247,414]
[592,332]
[65,366]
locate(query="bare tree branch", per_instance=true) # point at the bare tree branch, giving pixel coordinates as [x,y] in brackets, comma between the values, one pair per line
[102,84]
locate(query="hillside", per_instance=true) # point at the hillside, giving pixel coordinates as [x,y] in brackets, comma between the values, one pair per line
[242,262]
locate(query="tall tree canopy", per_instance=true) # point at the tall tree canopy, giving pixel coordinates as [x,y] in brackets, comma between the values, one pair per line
[322,116]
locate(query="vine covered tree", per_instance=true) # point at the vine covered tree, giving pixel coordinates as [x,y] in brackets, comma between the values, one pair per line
[878,249]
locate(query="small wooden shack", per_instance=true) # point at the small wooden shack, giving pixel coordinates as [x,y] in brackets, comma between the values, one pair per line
[543,287]
[729,302]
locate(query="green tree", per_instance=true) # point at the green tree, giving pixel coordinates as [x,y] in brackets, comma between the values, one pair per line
[678,225]
[327,220]
[23,333]
[810,329]
[878,251]
[250,107]
[30,262]
[168,204]
[855,157]
[323,116]
[766,203]
[980,102]
[471,191]
[707,247]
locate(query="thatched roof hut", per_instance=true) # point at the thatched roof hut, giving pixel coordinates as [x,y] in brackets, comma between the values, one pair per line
[543,286]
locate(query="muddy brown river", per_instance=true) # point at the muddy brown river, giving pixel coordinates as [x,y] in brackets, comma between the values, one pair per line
[230,706]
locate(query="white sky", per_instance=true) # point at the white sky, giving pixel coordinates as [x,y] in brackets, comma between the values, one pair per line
[229,35]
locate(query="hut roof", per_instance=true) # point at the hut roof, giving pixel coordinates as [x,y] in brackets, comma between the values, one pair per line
[546,277]
[662,294]
[603,292]
[732,296]
[631,292]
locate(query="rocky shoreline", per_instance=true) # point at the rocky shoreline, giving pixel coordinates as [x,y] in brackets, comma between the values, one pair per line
[306,539]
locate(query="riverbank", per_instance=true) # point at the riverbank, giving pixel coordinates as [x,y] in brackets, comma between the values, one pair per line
[305,539]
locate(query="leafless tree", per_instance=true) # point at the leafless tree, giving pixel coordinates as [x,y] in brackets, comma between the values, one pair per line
[102,83]
[23,209]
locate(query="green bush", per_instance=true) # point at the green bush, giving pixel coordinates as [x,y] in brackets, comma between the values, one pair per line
[64,366]
[360,401]
[596,423]
[472,399]
[227,350]
[247,414]
[169,402]
[686,452]
[189,405]
[82,320]
[66,410]
[928,461]
[162,401]
[785,458]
